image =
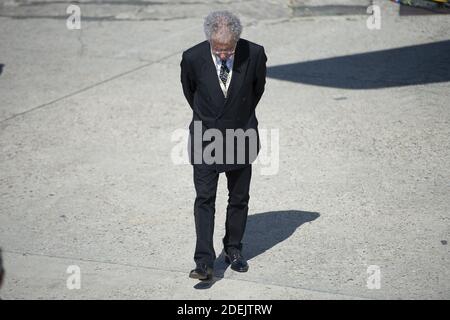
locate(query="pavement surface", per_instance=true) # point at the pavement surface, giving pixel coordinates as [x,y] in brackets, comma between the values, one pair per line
[350,201]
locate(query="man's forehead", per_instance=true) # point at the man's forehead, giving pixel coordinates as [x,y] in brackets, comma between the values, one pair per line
[222,43]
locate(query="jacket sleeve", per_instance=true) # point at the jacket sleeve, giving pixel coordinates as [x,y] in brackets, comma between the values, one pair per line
[187,80]
[260,78]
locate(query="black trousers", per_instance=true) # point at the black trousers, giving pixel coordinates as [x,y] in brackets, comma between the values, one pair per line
[205,181]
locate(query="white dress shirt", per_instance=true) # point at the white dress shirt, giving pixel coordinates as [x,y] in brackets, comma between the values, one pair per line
[218,64]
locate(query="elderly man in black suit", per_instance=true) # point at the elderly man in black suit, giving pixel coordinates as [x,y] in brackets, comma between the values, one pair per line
[2,270]
[223,79]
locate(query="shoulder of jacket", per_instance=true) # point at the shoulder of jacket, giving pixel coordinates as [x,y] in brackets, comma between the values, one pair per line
[195,50]
[253,47]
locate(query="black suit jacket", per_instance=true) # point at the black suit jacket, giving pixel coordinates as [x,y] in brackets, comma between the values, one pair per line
[202,90]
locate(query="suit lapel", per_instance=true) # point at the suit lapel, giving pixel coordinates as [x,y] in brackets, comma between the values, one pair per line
[240,65]
[209,71]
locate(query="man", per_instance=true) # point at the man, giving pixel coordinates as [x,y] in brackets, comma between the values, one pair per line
[223,80]
[2,270]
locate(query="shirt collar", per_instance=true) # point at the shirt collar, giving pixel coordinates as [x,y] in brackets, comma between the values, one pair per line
[230,60]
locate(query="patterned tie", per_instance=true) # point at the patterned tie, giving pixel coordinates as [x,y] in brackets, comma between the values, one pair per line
[224,71]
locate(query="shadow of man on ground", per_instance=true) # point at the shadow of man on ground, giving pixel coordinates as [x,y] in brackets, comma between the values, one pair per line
[263,231]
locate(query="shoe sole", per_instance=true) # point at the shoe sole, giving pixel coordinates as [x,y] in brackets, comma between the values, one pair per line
[198,277]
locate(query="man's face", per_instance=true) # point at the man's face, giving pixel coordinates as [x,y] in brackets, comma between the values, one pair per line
[223,49]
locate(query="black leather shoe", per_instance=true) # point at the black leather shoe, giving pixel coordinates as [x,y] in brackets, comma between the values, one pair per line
[201,272]
[237,261]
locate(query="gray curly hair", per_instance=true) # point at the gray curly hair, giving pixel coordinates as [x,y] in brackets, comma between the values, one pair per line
[222,23]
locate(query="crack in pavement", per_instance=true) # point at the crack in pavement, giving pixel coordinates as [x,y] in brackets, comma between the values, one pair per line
[104,18]
[112,10]
[124,2]
[182,272]
[90,87]
[89,55]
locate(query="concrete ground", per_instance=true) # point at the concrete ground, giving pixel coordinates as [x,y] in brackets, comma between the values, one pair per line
[87,176]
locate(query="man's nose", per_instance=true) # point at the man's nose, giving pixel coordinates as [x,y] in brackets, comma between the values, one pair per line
[223,56]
